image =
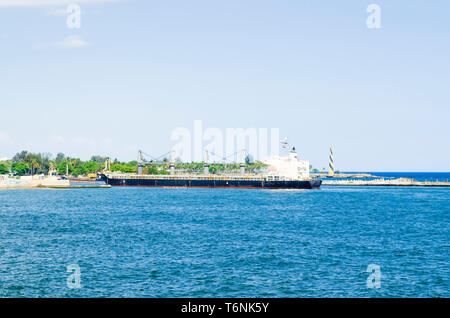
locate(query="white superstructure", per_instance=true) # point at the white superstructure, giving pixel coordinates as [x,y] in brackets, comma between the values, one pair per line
[288,167]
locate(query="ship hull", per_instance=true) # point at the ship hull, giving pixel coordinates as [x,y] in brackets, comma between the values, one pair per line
[249,184]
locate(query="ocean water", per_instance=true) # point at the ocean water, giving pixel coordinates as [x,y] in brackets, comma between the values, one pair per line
[162,242]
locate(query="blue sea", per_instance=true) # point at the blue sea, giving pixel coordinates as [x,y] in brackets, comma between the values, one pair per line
[185,242]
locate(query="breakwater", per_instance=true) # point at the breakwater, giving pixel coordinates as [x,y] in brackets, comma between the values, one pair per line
[342,175]
[406,182]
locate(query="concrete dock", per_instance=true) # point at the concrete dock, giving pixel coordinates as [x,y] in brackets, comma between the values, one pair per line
[44,182]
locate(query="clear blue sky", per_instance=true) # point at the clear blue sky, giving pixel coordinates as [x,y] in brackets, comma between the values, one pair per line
[138,69]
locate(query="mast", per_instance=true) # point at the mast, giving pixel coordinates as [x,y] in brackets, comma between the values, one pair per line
[140,162]
[172,163]
[205,162]
[242,165]
[284,143]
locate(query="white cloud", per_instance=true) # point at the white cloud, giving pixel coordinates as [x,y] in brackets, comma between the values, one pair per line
[73,41]
[40,3]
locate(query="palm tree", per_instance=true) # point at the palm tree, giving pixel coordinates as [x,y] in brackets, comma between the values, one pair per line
[34,165]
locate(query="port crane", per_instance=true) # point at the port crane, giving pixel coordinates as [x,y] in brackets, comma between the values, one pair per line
[142,162]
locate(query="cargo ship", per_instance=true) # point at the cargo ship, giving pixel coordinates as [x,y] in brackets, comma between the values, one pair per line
[283,173]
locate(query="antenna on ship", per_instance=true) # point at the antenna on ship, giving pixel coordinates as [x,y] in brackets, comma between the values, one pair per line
[284,144]
[331,164]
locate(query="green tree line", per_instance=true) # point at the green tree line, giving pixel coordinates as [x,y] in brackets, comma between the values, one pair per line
[27,163]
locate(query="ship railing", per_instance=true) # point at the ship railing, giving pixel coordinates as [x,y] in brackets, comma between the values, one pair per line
[202,177]
[189,177]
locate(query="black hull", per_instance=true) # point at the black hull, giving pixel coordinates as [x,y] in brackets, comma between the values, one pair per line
[249,184]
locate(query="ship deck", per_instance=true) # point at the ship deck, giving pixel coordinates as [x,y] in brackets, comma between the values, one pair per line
[199,177]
